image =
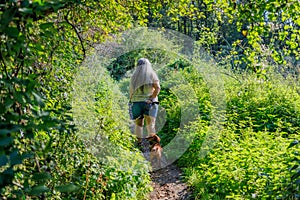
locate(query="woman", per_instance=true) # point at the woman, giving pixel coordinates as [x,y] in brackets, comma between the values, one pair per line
[144,89]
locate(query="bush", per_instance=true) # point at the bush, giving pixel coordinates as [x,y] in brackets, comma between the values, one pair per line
[251,158]
[101,113]
[62,162]
[251,166]
[271,105]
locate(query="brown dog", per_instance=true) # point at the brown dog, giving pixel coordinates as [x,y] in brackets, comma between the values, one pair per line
[155,149]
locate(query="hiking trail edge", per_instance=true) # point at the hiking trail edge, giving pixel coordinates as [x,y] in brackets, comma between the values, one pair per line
[167,182]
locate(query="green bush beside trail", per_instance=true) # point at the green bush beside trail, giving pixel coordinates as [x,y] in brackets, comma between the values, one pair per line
[250,156]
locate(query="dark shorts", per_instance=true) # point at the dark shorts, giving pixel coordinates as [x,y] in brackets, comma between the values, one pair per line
[139,109]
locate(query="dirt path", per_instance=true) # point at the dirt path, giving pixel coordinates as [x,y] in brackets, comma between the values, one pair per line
[167,182]
[167,185]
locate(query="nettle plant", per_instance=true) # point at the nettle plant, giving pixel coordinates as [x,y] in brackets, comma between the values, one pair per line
[178,76]
[271,105]
[292,189]
[250,158]
[240,166]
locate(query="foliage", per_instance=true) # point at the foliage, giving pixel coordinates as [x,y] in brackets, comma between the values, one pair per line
[42,43]
[271,105]
[126,51]
[63,168]
[240,34]
[180,74]
[242,167]
[251,156]
[43,154]
[126,62]
[292,190]
[100,112]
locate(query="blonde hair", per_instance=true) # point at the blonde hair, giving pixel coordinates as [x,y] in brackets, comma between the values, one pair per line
[143,75]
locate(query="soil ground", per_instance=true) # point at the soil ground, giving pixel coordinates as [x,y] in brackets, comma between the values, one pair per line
[167,181]
[167,184]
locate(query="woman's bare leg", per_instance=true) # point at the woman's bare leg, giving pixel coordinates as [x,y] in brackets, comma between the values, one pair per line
[138,130]
[150,124]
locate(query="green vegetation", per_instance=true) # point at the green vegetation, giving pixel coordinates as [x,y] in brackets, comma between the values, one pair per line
[42,153]
[255,153]
[251,158]
[64,126]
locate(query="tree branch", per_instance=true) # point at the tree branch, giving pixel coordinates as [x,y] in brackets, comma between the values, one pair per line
[77,33]
[234,77]
[4,65]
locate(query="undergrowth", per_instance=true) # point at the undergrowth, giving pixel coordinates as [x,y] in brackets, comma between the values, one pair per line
[251,157]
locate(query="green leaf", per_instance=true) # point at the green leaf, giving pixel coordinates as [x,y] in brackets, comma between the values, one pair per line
[46,25]
[296,175]
[8,103]
[38,99]
[12,32]
[40,2]
[26,10]
[4,142]
[3,160]
[67,188]
[294,167]
[20,97]
[15,158]
[42,176]
[38,190]
[4,131]
[6,18]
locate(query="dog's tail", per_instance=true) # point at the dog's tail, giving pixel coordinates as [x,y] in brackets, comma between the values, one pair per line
[153,138]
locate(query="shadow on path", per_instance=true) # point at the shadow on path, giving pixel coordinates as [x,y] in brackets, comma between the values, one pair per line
[167,182]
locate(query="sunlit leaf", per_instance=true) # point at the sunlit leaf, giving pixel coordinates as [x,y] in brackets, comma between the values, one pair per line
[26,10]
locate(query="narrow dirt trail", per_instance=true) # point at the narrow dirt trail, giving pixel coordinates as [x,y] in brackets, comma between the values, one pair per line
[167,182]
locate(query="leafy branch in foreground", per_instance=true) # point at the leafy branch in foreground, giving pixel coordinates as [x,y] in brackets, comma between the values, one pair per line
[42,43]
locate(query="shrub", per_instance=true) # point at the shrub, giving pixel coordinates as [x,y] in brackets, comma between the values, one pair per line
[101,113]
[271,105]
[251,166]
[61,162]
[250,158]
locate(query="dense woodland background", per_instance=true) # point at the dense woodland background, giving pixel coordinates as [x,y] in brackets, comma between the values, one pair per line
[46,44]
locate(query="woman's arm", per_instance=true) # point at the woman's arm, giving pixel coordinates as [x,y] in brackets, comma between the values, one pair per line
[156,91]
